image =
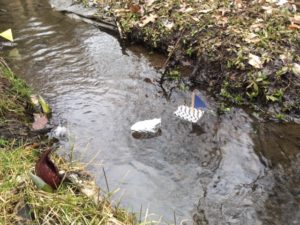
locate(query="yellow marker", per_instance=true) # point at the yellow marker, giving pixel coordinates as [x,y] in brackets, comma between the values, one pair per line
[7,35]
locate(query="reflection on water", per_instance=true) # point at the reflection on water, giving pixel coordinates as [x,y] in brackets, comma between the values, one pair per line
[97,89]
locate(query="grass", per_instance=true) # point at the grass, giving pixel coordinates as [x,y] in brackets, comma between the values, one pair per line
[21,201]
[14,95]
[219,38]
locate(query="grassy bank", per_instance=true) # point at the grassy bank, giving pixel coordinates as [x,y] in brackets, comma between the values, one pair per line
[243,52]
[21,202]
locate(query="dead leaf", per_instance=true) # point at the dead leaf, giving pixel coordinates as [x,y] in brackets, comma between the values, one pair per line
[221,20]
[296,69]
[148,19]
[268,9]
[149,2]
[186,10]
[135,8]
[295,19]
[204,11]
[252,38]
[281,2]
[238,3]
[195,19]
[294,26]
[255,61]
[35,100]
[168,24]
[257,25]
[40,121]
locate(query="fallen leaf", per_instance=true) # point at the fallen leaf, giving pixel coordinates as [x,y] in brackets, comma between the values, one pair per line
[268,9]
[255,61]
[204,11]
[195,19]
[295,19]
[257,25]
[34,99]
[45,107]
[281,2]
[148,19]
[252,38]
[42,185]
[294,26]
[40,121]
[169,25]
[135,8]
[238,3]
[296,69]
[186,10]
[149,2]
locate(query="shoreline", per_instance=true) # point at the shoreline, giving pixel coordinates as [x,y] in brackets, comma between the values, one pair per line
[243,54]
[76,199]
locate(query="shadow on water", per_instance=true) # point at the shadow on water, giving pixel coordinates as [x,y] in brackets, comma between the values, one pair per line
[228,169]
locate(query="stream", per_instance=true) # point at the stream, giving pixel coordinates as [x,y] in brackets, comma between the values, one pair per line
[226,169]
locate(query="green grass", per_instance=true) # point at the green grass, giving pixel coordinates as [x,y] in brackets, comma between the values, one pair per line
[21,202]
[65,206]
[14,94]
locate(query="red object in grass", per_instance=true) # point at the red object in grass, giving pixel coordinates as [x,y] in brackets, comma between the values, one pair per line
[46,170]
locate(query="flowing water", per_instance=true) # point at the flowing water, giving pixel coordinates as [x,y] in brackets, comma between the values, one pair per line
[229,169]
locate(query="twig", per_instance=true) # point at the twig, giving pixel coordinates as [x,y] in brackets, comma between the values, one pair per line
[169,57]
[141,211]
[105,179]
[175,217]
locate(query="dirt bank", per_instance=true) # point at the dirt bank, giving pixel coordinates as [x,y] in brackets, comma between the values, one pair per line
[242,52]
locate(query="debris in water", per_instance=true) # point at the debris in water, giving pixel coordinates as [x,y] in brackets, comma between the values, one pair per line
[7,35]
[146,128]
[45,107]
[60,132]
[42,185]
[40,121]
[193,113]
[47,171]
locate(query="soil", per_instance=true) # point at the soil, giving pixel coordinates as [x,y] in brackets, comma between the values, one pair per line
[242,52]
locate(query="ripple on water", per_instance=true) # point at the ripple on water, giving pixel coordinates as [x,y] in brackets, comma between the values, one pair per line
[97,88]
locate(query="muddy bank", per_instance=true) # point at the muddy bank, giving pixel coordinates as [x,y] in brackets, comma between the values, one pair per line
[244,53]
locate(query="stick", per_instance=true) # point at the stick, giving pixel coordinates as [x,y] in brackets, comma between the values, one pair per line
[105,179]
[193,101]
[141,211]
[174,217]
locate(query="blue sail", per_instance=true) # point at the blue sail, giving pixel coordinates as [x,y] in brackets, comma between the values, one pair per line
[199,103]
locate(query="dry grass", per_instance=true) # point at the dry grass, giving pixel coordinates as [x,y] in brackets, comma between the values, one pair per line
[21,201]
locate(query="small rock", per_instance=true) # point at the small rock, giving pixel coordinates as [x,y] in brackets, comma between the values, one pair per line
[146,128]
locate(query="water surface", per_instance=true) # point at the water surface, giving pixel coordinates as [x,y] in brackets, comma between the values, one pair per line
[227,168]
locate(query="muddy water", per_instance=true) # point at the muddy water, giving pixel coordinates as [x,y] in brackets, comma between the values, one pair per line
[227,169]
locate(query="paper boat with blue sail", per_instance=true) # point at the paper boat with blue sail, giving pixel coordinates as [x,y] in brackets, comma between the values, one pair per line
[192,113]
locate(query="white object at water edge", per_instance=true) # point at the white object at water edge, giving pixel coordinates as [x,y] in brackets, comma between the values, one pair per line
[60,132]
[188,113]
[147,126]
